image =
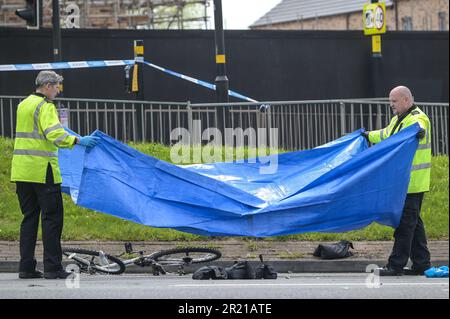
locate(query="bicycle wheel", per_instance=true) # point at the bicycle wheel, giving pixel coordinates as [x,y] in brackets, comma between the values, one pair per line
[185,256]
[92,261]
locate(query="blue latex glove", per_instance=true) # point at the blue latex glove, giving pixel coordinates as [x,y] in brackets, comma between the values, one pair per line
[365,134]
[89,141]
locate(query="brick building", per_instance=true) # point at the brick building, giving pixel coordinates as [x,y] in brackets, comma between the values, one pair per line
[407,15]
[116,14]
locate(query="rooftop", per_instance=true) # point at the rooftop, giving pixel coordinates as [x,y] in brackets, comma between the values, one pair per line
[293,10]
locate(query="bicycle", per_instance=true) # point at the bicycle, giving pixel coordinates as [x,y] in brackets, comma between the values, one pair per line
[93,261]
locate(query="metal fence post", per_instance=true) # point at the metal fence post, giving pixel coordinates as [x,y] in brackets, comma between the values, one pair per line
[190,122]
[343,127]
[378,127]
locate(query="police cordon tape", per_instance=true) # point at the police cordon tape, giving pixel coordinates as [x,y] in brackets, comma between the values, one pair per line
[109,63]
[199,82]
[64,65]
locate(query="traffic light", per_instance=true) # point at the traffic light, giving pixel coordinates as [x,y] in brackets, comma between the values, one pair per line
[32,13]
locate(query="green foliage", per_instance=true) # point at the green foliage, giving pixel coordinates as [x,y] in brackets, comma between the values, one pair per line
[189,16]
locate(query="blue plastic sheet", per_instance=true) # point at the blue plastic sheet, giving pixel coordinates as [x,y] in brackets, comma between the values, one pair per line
[437,272]
[340,186]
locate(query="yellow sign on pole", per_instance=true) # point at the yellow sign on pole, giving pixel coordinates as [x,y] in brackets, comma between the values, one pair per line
[376,43]
[374,18]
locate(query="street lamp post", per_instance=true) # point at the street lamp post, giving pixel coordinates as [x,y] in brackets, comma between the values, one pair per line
[56,32]
[221,78]
[57,57]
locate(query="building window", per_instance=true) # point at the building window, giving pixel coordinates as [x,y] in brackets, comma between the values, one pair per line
[407,23]
[442,21]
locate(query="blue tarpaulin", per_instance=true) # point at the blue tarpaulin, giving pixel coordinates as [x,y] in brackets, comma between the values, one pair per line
[340,186]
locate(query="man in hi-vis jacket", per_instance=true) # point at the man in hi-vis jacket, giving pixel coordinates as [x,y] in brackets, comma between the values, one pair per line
[409,237]
[36,172]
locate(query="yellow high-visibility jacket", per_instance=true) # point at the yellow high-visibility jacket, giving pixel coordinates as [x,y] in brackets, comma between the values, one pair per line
[421,166]
[39,134]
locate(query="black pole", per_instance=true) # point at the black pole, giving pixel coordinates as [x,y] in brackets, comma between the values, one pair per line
[57,54]
[396,14]
[40,13]
[221,78]
[56,32]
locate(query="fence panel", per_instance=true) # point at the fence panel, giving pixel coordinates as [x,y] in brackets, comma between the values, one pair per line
[300,124]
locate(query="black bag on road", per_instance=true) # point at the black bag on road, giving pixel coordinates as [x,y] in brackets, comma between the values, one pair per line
[265,271]
[240,270]
[334,251]
[210,272]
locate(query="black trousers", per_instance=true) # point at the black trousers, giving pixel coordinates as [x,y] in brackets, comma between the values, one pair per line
[410,240]
[41,199]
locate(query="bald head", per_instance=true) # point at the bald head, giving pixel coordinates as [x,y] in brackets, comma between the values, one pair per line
[401,99]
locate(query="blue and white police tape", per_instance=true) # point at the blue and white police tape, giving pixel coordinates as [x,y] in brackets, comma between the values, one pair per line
[64,65]
[196,81]
[109,63]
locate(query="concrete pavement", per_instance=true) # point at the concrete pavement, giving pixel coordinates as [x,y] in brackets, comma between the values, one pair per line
[287,286]
[285,256]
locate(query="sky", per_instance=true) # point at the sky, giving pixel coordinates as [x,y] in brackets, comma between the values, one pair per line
[239,14]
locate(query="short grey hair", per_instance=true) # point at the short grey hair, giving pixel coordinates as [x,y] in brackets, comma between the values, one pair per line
[45,77]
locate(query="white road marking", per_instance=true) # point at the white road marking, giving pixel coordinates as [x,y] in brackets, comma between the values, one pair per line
[215,284]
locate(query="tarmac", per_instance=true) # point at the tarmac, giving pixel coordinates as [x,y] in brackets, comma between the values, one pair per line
[284,256]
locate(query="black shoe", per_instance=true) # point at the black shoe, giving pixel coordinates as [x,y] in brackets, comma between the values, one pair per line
[30,274]
[61,274]
[413,272]
[386,271]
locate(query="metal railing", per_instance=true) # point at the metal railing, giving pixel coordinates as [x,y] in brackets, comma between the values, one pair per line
[300,124]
